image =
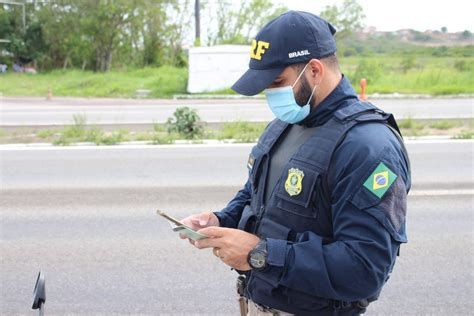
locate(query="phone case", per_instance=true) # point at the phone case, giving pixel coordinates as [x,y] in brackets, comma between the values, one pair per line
[188,232]
[179,227]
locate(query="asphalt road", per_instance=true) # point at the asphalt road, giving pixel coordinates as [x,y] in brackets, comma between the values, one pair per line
[86,217]
[436,164]
[60,111]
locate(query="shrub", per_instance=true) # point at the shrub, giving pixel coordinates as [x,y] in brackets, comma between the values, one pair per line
[464,135]
[113,138]
[443,125]
[369,70]
[463,65]
[186,122]
[159,139]
[408,62]
[45,133]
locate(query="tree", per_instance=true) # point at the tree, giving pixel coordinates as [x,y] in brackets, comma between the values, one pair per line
[347,18]
[151,32]
[6,23]
[26,45]
[177,27]
[105,22]
[96,34]
[63,30]
[466,34]
[238,26]
[444,29]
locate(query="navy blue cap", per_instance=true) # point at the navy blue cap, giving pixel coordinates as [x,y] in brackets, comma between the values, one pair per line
[293,37]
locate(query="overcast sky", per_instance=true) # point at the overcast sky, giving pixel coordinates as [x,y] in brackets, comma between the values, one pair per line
[392,15]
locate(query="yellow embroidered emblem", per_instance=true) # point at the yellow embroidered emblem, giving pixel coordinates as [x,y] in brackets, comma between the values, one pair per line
[258,49]
[294,182]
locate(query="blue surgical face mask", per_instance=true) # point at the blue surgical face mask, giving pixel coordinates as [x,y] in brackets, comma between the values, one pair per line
[283,104]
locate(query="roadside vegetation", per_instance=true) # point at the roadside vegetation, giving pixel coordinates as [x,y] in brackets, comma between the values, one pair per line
[411,74]
[185,125]
[162,82]
[81,132]
[141,49]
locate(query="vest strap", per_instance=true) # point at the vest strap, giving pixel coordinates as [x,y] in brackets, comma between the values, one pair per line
[272,133]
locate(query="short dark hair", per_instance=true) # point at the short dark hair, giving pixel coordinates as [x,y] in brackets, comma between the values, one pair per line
[331,61]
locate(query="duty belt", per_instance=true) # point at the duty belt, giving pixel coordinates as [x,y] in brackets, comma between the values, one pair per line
[362,304]
[336,304]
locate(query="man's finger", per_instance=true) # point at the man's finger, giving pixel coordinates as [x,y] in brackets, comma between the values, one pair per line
[214,231]
[208,243]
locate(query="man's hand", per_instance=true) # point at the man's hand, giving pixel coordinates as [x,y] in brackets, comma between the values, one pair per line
[199,221]
[232,245]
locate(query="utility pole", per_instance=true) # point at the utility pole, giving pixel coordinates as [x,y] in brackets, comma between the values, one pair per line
[197,40]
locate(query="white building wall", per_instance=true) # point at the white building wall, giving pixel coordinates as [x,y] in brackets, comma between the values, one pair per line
[215,68]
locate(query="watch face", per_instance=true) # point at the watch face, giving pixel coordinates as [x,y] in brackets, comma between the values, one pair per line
[257,260]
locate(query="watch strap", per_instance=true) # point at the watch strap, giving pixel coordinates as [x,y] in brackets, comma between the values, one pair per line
[261,249]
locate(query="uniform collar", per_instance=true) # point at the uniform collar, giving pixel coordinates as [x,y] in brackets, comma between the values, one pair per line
[325,110]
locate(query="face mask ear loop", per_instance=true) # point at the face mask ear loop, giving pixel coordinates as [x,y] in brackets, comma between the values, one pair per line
[301,73]
[314,89]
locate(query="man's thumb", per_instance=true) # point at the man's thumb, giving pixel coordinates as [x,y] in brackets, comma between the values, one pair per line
[203,221]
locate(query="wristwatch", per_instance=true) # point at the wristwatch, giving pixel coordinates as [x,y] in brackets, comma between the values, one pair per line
[257,258]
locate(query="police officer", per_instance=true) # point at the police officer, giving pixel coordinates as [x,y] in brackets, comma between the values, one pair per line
[318,225]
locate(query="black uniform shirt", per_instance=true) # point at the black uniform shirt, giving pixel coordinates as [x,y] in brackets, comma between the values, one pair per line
[287,146]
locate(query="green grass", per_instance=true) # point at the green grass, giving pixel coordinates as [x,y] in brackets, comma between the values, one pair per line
[113,138]
[143,136]
[430,75]
[385,74]
[81,132]
[443,125]
[464,135]
[410,123]
[164,138]
[455,128]
[163,82]
[45,133]
[243,132]
[70,135]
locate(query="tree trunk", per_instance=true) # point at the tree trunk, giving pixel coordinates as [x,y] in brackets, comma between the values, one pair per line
[107,60]
[66,61]
[97,60]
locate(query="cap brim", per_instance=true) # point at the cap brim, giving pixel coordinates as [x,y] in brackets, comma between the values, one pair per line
[254,81]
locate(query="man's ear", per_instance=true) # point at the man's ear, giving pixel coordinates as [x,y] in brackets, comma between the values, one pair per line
[316,72]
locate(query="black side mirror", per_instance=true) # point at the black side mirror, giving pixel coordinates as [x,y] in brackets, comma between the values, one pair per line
[39,293]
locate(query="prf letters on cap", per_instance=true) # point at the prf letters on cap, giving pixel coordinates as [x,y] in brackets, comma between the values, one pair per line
[258,49]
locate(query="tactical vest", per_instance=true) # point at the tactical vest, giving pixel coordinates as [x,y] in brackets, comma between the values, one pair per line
[286,216]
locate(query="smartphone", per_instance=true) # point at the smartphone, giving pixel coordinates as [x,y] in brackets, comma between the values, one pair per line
[179,227]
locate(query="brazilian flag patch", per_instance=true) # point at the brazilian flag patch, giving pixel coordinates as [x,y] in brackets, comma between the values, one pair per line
[380,180]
